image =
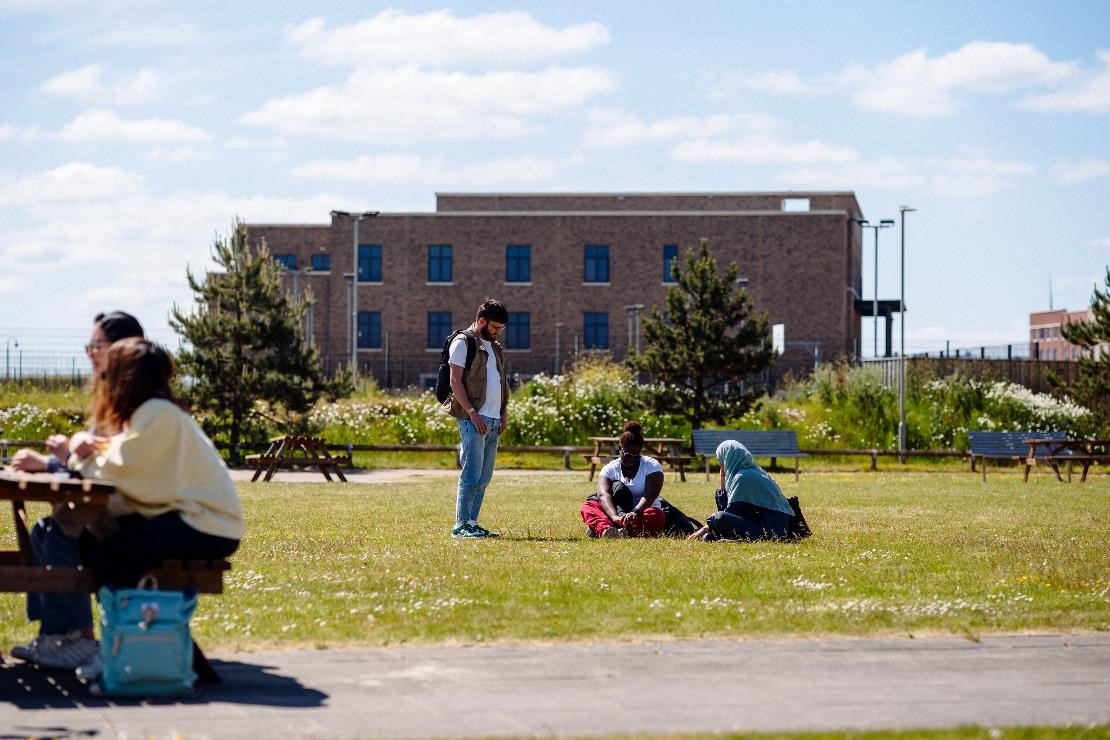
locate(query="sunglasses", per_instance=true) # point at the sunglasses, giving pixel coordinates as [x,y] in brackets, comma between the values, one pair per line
[626,453]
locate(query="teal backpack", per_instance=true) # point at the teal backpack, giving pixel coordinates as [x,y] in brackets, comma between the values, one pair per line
[145,645]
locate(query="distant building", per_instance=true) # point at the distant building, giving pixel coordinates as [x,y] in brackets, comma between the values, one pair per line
[1046,341]
[576,272]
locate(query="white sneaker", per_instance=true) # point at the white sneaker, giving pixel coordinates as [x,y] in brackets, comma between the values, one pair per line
[65,652]
[91,670]
[615,533]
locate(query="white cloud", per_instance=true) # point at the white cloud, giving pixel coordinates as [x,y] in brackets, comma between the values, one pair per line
[87,83]
[617,129]
[419,170]
[1087,169]
[74,182]
[275,143]
[440,38]
[105,125]
[1104,242]
[147,36]
[969,174]
[9,132]
[762,148]
[409,103]
[177,154]
[1089,95]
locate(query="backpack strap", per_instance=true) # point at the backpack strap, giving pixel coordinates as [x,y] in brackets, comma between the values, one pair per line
[471,347]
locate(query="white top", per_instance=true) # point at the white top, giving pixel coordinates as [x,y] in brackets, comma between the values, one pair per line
[638,483]
[492,407]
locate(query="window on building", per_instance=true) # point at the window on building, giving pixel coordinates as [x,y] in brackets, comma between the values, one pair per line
[596,257]
[287,260]
[670,254]
[518,333]
[439,326]
[369,329]
[595,330]
[439,263]
[518,263]
[321,263]
[369,263]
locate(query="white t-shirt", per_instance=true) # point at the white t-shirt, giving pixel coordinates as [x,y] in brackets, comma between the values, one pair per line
[638,483]
[457,356]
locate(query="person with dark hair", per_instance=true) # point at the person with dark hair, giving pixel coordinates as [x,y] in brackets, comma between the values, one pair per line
[479,403]
[65,638]
[627,502]
[750,504]
[174,497]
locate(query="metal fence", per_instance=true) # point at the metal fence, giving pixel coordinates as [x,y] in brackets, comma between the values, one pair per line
[1032,374]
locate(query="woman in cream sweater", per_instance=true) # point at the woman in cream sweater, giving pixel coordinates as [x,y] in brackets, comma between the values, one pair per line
[175,499]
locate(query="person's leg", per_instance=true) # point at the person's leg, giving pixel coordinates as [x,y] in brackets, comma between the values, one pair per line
[594,517]
[732,527]
[652,521]
[776,524]
[489,459]
[122,559]
[471,452]
[58,613]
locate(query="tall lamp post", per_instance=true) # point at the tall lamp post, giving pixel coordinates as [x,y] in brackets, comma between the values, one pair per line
[883,224]
[356,218]
[902,211]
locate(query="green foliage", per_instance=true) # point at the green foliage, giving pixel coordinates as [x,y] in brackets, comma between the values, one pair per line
[711,339]
[845,406]
[245,345]
[1093,385]
[376,566]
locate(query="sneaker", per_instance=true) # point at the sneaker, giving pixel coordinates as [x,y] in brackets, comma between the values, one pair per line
[590,533]
[28,652]
[482,531]
[465,532]
[91,669]
[64,652]
[615,533]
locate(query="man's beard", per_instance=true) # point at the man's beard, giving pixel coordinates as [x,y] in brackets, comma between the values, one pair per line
[484,333]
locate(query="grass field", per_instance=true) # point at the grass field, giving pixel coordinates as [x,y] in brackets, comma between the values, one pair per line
[330,565]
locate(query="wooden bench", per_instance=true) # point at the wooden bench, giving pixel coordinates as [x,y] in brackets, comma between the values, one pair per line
[772,443]
[1054,452]
[1009,446]
[296,451]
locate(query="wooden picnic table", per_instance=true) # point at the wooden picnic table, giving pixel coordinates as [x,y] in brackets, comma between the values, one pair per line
[664,449]
[295,451]
[88,501]
[1052,452]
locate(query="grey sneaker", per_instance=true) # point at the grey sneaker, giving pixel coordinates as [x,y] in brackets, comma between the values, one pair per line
[64,652]
[91,669]
[29,652]
[615,533]
[590,533]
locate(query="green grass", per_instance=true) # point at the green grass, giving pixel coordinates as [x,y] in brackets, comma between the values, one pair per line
[893,554]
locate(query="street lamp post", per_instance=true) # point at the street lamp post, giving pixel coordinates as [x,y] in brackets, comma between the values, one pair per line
[356,218]
[883,224]
[902,210]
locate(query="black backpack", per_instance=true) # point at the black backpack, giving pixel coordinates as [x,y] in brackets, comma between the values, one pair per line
[443,376]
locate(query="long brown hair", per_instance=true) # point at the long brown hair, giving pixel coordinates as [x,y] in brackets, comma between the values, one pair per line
[137,371]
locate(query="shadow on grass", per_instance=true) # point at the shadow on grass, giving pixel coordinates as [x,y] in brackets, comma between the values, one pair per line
[29,687]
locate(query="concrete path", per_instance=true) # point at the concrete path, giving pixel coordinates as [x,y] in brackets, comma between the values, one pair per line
[388,475]
[689,686]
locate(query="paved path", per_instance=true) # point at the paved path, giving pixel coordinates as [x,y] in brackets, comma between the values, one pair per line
[691,686]
[388,475]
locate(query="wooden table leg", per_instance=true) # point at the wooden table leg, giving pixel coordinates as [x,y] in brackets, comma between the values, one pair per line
[22,536]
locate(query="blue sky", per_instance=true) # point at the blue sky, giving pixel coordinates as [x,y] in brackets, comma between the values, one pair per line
[132,132]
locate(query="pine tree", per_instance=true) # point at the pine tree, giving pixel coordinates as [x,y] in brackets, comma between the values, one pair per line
[1092,387]
[711,335]
[244,341]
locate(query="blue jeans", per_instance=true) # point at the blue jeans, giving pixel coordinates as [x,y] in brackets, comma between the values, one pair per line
[477,454]
[58,612]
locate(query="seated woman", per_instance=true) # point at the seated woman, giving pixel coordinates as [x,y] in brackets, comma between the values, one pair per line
[65,638]
[626,503]
[176,500]
[753,507]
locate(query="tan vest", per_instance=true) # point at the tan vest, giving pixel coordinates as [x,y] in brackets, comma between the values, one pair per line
[474,380]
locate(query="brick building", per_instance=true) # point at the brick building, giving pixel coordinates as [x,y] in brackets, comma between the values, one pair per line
[1047,343]
[572,270]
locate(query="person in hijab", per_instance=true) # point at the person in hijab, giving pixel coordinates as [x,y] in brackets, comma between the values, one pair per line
[751,506]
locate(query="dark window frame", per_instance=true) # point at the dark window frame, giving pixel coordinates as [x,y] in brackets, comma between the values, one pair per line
[440,263]
[595,263]
[518,263]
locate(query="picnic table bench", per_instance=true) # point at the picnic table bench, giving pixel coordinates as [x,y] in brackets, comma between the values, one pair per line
[772,443]
[19,574]
[1084,452]
[297,451]
[1011,446]
[667,450]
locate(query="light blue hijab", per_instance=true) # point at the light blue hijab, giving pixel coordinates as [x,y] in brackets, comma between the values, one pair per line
[746,481]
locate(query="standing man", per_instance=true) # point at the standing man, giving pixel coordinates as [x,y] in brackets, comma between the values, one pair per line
[479,402]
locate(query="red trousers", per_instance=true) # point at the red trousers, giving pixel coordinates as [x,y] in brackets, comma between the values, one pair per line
[650,523]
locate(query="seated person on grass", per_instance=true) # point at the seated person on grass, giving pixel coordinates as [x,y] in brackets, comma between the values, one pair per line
[627,502]
[750,504]
[65,640]
[176,499]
